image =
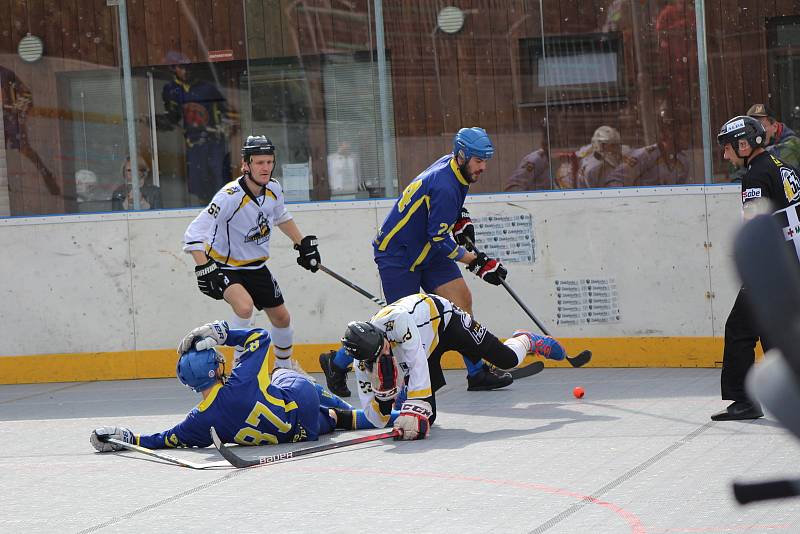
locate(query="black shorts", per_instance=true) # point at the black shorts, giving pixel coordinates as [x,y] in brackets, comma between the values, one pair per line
[468,337]
[260,283]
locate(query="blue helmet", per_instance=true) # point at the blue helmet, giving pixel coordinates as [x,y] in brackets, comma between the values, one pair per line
[473,142]
[197,369]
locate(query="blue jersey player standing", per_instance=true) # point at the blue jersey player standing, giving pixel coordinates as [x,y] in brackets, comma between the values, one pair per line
[251,407]
[414,248]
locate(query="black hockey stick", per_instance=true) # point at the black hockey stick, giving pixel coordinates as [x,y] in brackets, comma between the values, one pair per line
[380,302]
[529,370]
[763,491]
[161,455]
[239,462]
[576,361]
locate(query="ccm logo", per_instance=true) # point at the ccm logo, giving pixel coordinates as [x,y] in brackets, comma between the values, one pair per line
[748,194]
[275,458]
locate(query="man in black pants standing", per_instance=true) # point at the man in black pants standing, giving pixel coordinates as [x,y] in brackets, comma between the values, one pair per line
[768,185]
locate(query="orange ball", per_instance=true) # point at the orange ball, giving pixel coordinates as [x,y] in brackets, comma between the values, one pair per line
[578,392]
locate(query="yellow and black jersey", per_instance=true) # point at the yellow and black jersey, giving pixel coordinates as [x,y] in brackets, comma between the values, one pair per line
[236,227]
[412,325]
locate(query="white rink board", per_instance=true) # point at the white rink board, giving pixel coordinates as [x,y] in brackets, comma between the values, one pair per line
[120,282]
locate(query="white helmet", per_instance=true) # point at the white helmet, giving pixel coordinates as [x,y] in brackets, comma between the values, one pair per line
[606,135]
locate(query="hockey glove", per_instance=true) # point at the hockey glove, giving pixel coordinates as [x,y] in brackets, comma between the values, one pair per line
[100,436]
[413,420]
[386,378]
[464,231]
[308,253]
[204,337]
[490,269]
[211,280]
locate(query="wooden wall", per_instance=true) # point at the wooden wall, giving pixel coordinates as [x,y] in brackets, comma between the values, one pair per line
[440,82]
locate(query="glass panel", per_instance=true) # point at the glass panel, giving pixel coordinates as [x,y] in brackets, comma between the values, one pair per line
[62,107]
[574,94]
[314,91]
[616,86]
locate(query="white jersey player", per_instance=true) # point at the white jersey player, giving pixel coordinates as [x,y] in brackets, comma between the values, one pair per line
[406,339]
[229,241]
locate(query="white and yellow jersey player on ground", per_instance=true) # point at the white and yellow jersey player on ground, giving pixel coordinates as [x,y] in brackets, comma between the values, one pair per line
[406,339]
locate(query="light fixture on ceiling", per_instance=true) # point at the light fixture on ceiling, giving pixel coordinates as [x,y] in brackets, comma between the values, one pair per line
[450,19]
[30,48]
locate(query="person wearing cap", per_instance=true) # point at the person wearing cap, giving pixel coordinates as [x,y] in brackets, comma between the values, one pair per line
[205,118]
[422,240]
[230,243]
[604,156]
[768,184]
[781,140]
[251,406]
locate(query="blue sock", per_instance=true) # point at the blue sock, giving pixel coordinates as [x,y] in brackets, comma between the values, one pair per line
[342,360]
[362,423]
[329,400]
[473,368]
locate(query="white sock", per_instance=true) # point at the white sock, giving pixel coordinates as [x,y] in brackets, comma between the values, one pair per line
[520,345]
[282,345]
[239,323]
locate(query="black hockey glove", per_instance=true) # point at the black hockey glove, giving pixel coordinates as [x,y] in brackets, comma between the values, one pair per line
[211,280]
[490,269]
[308,253]
[464,231]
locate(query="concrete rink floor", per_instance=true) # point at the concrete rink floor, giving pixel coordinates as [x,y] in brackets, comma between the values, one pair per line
[637,454]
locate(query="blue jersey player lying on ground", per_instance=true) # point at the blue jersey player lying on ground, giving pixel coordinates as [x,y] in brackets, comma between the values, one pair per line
[250,407]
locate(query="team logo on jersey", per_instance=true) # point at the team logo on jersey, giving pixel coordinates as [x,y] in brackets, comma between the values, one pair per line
[749,194]
[195,115]
[389,326]
[232,190]
[406,336]
[475,329]
[260,233]
[791,184]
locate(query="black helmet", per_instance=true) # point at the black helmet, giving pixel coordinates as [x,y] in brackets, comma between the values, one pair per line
[362,341]
[257,145]
[742,127]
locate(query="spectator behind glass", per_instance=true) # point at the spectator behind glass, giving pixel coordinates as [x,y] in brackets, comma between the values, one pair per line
[206,119]
[533,171]
[781,140]
[149,194]
[666,162]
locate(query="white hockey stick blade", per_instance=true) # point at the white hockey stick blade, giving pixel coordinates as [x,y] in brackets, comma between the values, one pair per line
[166,457]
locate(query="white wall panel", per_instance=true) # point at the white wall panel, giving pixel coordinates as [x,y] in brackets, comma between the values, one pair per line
[117,282]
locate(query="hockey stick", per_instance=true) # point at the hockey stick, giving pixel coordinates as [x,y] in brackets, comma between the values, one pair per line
[160,455]
[239,462]
[529,370]
[380,302]
[576,361]
[764,491]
